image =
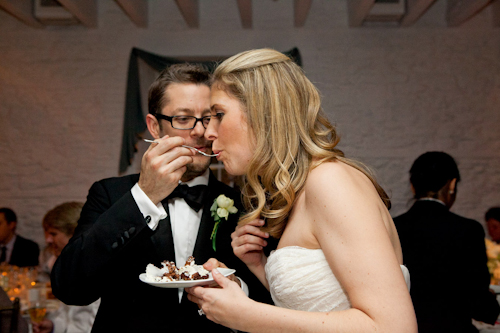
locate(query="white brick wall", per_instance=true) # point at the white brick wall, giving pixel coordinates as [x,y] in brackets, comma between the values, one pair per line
[393,92]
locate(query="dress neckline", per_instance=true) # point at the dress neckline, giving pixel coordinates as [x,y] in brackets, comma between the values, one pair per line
[293,247]
[306,249]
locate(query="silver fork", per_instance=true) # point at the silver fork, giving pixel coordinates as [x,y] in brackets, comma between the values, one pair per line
[197,150]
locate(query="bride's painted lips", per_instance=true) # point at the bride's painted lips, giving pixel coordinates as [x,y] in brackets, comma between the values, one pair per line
[217,152]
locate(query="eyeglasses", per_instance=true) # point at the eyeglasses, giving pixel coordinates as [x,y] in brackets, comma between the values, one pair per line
[184,122]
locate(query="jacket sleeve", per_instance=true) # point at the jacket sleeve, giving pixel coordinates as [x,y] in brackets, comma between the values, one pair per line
[89,262]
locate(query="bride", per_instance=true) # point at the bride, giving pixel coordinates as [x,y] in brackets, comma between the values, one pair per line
[337,267]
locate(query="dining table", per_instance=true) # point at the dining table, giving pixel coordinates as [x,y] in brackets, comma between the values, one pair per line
[20,282]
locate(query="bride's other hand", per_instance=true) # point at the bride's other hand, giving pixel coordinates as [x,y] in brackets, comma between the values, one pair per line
[248,243]
[224,305]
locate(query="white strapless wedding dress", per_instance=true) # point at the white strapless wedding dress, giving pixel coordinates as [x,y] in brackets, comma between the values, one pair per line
[301,279]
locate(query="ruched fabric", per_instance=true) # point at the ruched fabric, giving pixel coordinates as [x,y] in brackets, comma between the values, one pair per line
[301,279]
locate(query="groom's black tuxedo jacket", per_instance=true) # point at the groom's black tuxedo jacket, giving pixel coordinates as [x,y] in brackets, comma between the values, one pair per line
[446,256]
[112,246]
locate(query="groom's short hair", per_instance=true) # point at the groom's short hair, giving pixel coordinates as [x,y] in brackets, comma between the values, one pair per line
[177,73]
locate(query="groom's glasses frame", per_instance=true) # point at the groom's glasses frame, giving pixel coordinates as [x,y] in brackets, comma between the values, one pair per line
[184,122]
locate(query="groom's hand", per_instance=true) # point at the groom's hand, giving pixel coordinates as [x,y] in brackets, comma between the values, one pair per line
[162,166]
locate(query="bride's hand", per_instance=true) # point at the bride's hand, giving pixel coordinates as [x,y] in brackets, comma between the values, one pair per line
[213,263]
[222,305]
[248,243]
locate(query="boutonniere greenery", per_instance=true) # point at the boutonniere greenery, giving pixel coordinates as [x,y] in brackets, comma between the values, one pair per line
[221,208]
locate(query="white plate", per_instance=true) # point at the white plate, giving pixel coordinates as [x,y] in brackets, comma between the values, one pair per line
[189,283]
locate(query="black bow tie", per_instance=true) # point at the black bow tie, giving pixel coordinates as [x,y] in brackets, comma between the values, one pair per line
[194,195]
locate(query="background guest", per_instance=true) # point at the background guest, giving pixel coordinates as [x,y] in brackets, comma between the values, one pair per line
[444,252]
[492,218]
[59,225]
[14,249]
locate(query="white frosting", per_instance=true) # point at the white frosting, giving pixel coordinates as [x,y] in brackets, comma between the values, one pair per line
[162,279]
[153,271]
[192,269]
[155,274]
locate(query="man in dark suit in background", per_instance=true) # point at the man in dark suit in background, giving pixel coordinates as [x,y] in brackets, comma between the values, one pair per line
[492,218]
[14,249]
[131,221]
[444,252]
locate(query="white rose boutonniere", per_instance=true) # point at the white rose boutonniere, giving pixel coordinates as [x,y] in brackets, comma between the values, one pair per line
[221,208]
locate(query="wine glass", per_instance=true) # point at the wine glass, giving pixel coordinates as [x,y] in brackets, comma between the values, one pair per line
[37,303]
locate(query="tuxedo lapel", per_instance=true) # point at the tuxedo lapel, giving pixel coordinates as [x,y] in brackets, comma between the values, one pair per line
[162,238]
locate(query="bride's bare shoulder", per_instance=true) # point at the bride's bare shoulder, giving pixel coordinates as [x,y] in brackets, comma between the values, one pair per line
[335,173]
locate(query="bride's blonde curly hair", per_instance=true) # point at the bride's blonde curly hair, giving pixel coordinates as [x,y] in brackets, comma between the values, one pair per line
[291,131]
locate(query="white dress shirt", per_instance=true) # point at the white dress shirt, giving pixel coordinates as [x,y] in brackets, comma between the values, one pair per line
[9,247]
[184,221]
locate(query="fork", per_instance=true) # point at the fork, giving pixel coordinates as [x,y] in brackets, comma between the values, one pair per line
[197,150]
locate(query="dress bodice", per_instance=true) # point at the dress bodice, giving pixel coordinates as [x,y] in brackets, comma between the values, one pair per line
[301,279]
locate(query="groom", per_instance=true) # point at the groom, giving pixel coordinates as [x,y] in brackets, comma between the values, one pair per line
[131,221]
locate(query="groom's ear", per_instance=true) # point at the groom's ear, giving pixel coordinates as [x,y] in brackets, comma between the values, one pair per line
[153,126]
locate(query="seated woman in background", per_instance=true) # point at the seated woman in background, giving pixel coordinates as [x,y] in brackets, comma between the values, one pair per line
[338,263]
[59,225]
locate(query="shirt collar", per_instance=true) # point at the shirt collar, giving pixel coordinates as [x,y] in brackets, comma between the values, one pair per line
[432,199]
[200,180]
[10,244]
